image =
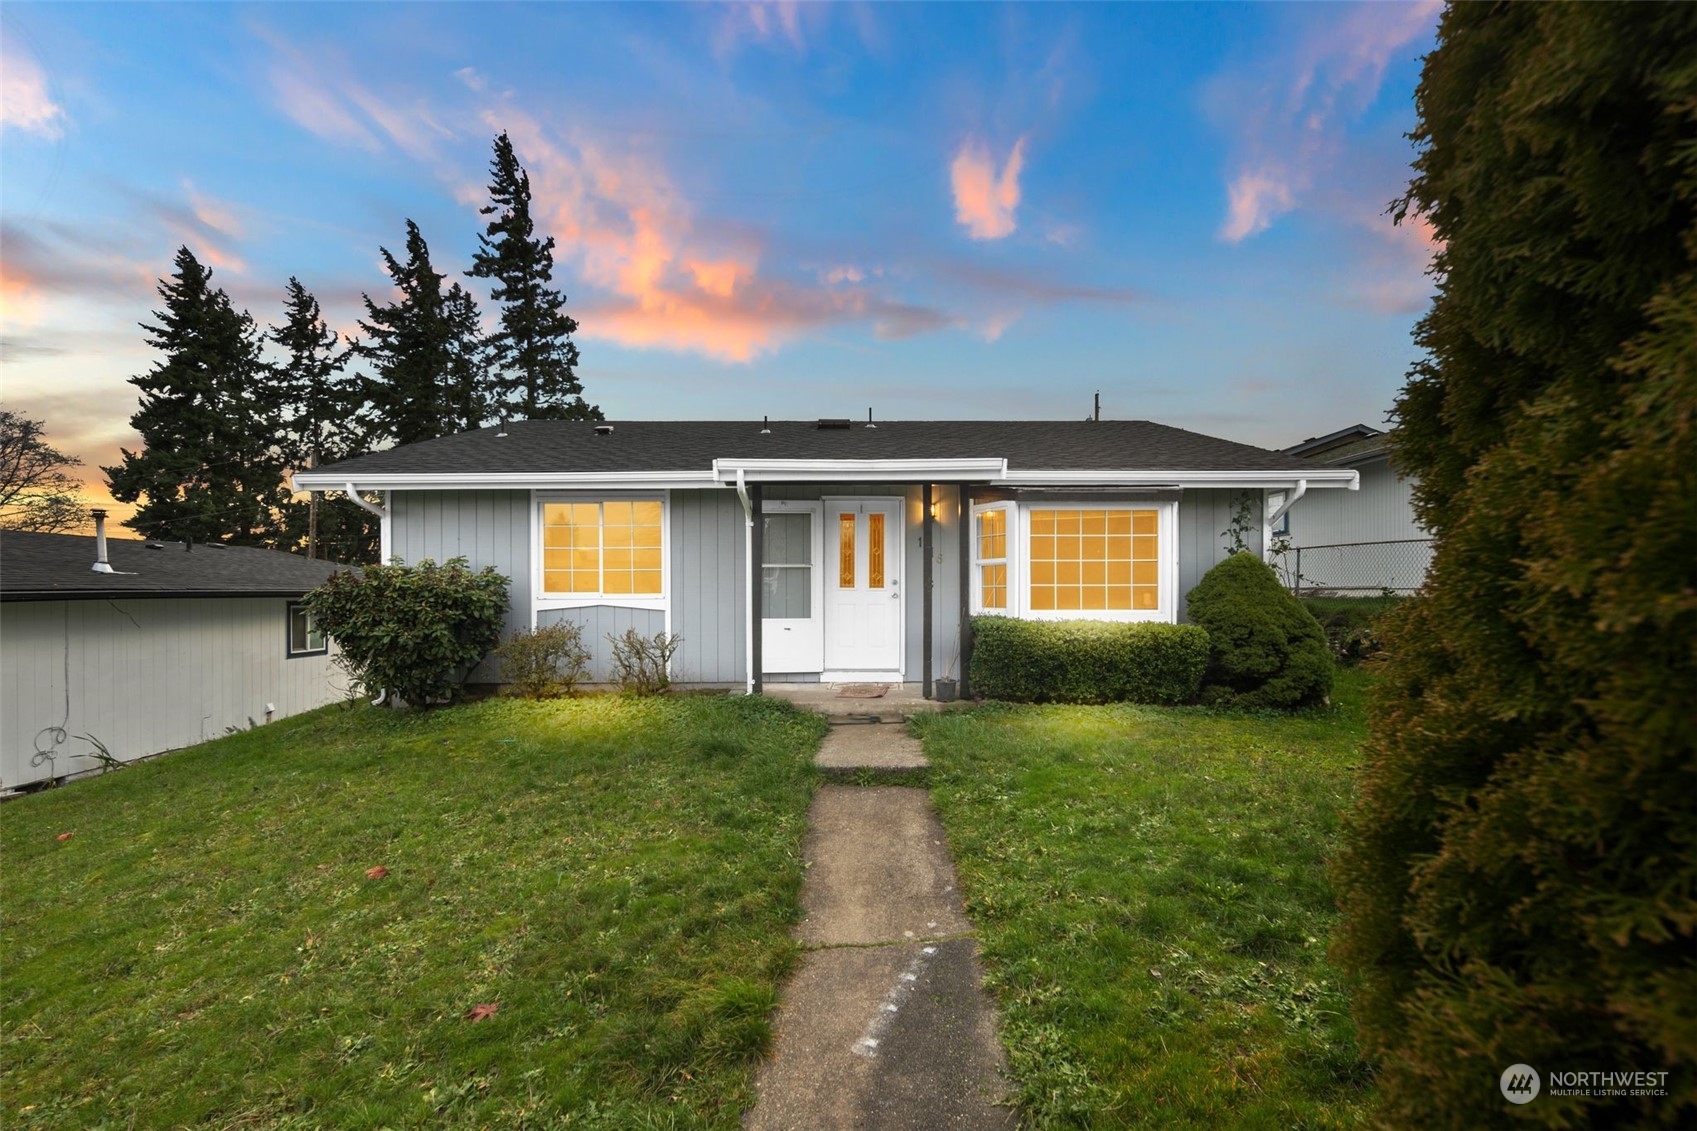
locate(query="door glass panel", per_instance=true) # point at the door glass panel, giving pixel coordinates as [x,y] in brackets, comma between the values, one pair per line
[786,573]
[875,551]
[787,539]
[786,592]
[845,551]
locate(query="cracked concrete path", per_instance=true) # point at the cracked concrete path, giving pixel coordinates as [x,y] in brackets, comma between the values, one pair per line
[884,1026]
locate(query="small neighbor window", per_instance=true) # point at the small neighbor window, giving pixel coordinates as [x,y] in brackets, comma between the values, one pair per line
[305,637]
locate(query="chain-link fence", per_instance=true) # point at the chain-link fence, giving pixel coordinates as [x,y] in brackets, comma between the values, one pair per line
[1354,568]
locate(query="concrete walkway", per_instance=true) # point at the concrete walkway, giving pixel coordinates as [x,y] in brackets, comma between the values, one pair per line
[884,1026]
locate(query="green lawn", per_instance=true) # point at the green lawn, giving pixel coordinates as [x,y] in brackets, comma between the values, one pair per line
[1150,890]
[619,876]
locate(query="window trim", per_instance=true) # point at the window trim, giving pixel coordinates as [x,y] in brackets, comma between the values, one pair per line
[541,599]
[1019,563]
[289,650]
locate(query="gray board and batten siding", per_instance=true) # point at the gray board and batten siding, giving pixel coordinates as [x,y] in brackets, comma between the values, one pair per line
[144,675]
[707,573]
[487,528]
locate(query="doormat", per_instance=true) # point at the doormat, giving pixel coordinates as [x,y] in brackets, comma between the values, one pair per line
[863,691]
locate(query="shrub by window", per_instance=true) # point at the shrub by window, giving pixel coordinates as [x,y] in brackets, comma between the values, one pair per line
[1086,661]
[1264,648]
[549,662]
[415,631]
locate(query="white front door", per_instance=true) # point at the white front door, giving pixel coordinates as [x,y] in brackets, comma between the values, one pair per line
[863,596]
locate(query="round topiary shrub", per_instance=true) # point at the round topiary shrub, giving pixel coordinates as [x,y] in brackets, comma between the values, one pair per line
[1264,648]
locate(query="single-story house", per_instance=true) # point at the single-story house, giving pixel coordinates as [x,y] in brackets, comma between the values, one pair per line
[148,646]
[1361,542]
[876,541]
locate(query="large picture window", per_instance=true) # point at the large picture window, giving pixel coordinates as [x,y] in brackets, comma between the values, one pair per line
[1095,560]
[607,549]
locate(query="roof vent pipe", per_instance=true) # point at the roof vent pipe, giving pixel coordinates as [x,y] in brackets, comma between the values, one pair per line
[501,432]
[869,423]
[101,565]
[765,425]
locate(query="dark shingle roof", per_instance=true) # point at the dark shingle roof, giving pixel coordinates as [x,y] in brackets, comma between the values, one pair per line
[57,566]
[555,446]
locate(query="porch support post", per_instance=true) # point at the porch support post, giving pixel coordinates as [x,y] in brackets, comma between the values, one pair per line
[756,554]
[964,494]
[925,534]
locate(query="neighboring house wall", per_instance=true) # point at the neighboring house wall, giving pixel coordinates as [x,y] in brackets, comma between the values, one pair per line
[145,675]
[1381,512]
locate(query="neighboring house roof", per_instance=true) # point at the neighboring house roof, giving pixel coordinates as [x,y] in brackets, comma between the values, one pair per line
[48,567]
[1356,444]
[547,447]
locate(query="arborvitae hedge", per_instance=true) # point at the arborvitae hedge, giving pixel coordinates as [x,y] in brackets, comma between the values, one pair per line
[1084,661]
[1519,876]
[1265,649]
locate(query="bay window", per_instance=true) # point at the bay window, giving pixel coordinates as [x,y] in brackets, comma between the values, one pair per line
[1062,560]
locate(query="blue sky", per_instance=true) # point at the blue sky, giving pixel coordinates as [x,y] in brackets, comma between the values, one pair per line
[795,210]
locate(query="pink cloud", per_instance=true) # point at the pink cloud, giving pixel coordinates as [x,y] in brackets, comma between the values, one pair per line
[765,22]
[985,200]
[1291,126]
[318,93]
[665,282]
[24,101]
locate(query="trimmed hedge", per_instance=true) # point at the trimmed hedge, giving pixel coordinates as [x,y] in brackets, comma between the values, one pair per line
[1086,661]
[1264,648]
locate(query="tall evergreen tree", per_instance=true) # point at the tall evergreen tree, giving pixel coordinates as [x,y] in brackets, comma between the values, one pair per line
[1519,875]
[318,408]
[210,469]
[425,346]
[534,354]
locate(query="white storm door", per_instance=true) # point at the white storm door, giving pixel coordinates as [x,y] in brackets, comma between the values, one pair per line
[792,622]
[863,597]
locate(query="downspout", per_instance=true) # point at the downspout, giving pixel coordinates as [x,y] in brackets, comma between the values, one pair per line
[1272,520]
[383,517]
[748,557]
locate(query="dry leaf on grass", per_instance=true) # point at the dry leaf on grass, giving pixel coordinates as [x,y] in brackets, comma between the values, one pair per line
[376,873]
[482,1012]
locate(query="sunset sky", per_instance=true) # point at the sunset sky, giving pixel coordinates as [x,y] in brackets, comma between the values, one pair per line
[789,209]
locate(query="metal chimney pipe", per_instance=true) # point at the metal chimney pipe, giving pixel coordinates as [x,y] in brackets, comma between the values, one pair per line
[101,565]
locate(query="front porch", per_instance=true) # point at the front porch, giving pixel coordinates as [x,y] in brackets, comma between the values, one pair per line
[898,702]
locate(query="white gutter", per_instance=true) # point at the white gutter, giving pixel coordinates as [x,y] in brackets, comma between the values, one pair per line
[859,470]
[503,480]
[1273,480]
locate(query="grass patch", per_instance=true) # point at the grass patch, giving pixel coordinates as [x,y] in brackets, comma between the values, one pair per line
[1149,885]
[619,875]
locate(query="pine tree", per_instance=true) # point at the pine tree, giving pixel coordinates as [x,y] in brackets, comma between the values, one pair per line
[429,380]
[318,407]
[534,353]
[1519,873]
[210,469]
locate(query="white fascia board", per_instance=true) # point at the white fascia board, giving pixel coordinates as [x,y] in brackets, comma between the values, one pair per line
[857,470]
[1272,480]
[504,480]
